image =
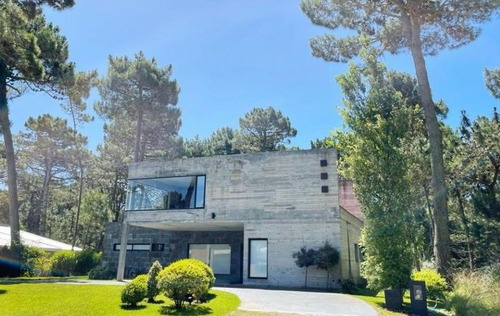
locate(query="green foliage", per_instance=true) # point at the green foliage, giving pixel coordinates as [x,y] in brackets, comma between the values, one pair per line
[152,281]
[63,263]
[181,278]
[473,294]
[493,81]
[86,260]
[135,291]
[33,55]
[102,273]
[36,262]
[379,111]
[304,258]
[327,258]
[434,282]
[348,286]
[263,130]
[138,97]
[201,292]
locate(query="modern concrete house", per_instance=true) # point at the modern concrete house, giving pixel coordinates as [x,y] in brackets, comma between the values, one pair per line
[244,215]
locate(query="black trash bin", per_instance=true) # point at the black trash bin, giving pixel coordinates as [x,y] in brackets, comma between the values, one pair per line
[418,296]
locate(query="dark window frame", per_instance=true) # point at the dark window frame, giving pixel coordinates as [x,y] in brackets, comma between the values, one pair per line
[250,257]
[115,246]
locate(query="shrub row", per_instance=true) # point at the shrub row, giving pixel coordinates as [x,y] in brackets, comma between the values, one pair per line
[36,262]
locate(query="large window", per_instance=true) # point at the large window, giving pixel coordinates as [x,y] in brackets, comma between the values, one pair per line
[166,193]
[217,256]
[257,262]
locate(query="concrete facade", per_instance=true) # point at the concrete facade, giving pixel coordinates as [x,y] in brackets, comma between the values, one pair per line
[290,199]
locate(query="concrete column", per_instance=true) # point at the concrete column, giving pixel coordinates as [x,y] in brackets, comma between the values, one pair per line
[123,251]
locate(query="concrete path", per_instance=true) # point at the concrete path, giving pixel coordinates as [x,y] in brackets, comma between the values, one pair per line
[298,302]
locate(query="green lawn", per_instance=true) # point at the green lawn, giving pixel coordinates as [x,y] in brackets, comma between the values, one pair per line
[69,299]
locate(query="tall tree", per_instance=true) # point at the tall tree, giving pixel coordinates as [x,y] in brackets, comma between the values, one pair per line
[140,90]
[32,55]
[379,117]
[47,148]
[263,130]
[422,27]
[76,90]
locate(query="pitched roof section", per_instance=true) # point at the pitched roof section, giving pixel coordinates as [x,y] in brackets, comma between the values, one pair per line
[348,200]
[32,240]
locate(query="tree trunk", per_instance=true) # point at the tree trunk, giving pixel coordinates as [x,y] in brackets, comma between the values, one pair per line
[466,228]
[45,197]
[137,147]
[441,234]
[15,238]
[79,203]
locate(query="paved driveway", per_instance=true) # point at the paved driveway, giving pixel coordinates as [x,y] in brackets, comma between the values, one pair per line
[297,302]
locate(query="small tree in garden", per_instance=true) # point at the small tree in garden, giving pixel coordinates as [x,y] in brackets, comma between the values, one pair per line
[152,282]
[327,258]
[304,258]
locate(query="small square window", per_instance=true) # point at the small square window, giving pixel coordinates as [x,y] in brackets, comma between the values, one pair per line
[324,189]
[324,176]
[157,247]
[323,163]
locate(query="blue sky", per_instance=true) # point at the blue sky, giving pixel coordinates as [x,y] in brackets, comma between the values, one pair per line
[231,56]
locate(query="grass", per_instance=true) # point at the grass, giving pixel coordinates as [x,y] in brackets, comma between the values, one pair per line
[37,299]
[377,300]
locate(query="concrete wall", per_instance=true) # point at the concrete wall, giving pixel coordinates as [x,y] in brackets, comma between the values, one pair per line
[249,187]
[176,247]
[350,233]
[289,198]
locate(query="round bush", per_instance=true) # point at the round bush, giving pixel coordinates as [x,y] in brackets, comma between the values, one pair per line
[63,263]
[434,282]
[201,293]
[135,291]
[181,278]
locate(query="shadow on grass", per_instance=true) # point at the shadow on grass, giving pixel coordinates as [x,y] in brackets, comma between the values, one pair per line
[132,308]
[42,280]
[188,310]
[157,302]
[2,291]
[210,296]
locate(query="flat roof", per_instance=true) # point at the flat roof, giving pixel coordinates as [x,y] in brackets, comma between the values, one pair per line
[32,240]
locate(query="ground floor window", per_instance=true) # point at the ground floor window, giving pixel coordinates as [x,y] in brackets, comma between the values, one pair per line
[257,262]
[217,256]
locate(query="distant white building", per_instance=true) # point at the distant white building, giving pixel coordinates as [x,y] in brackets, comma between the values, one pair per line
[32,240]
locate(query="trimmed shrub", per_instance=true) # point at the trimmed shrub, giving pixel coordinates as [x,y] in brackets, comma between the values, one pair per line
[474,294]
[135,291]
[434,282]
[86,260]
[181,278]
[348,286]
[152,281]
[35,262]
[63,263]
[102,273]
[200,294]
